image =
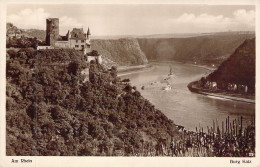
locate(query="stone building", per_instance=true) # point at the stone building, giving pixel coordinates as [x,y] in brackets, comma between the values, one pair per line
[76,39]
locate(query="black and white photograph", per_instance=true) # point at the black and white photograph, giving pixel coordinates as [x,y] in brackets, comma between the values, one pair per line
[130,80]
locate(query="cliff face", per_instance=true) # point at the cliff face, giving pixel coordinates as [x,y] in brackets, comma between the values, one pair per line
[210,49]
[121,51]
[239,68]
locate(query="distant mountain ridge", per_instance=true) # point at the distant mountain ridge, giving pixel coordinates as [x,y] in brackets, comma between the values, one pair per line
[39,34]
[202,48]
[206,50]
[31,33]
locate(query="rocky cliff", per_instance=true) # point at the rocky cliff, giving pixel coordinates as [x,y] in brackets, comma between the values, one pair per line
[121,51]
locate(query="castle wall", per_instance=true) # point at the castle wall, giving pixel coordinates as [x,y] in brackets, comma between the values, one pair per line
[44,47]
[61,44]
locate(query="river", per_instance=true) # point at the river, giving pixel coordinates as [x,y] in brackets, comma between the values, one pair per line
[185,108]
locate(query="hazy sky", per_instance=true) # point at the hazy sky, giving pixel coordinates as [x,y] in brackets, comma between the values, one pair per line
[135,19]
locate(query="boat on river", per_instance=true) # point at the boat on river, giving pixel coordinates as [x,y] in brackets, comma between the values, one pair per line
[171,72]
[168,87]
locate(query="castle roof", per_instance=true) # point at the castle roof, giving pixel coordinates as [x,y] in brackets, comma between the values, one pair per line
[78,33]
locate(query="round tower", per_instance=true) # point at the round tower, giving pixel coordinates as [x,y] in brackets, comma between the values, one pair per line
[52,30]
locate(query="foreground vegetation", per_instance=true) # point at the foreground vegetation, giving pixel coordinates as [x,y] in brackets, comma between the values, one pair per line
[52,110]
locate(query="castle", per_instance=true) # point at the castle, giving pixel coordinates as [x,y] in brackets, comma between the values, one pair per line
[76,39]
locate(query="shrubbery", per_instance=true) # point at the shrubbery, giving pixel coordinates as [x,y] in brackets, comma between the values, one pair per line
[23,42]
[50,111]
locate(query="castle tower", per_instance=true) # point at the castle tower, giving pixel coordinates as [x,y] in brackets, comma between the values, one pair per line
[52,30]
[88,45]
[88,34]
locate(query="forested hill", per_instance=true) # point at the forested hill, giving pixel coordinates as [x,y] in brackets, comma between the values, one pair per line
[207,49]
[31,33]
[39,34]
[51,110]
[239,68]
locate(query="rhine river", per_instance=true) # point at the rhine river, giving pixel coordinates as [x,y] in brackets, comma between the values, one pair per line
[185,108]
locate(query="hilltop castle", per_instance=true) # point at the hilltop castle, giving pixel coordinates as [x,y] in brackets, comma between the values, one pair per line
[76,39]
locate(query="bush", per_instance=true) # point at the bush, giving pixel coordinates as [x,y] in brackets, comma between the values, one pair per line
[74,118]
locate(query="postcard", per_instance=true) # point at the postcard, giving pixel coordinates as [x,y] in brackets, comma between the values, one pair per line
[127,83]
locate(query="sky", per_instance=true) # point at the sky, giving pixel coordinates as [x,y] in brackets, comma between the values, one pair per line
[126,19]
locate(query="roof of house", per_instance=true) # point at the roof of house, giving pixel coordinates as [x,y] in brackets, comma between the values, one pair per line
[78,33]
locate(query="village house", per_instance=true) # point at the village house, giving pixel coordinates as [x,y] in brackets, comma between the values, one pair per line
[211,85]
[237,88]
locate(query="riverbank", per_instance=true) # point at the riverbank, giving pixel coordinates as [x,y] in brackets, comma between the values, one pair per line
[221,94]
[211,69]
